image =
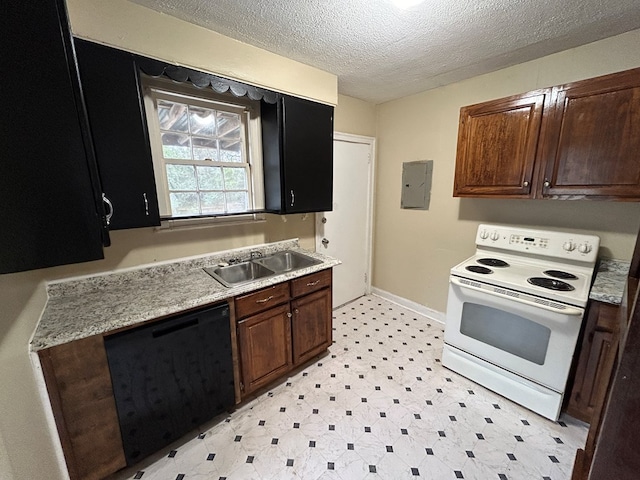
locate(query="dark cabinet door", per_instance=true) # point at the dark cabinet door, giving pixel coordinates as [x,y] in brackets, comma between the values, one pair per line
[264,341]
[298,156]
[51,210]
[311,325]
[592,139]
[111,87]
[497,146]
[597,355]
[81,394]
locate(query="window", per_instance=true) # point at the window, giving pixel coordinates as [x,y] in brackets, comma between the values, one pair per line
[206,151]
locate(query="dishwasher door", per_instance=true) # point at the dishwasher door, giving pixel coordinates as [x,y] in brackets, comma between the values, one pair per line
[170,377]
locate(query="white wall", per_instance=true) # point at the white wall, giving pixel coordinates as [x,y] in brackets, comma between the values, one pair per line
[414,250]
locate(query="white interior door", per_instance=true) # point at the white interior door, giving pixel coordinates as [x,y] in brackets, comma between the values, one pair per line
[345,232]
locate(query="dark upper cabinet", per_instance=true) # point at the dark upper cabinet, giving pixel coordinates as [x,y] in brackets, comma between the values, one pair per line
[113,95]
[297,144]
[51,211]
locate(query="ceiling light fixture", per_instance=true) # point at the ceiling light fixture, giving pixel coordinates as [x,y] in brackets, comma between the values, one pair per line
[406,4]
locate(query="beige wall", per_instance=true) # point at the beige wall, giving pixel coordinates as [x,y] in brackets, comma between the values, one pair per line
[141,30]
[414,250]
[355,116]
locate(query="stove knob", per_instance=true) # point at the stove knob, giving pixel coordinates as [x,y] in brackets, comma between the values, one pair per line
[495,236]
[484,234]
[584,248]
[569,246]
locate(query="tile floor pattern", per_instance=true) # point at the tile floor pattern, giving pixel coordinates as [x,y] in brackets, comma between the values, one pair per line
[378,406]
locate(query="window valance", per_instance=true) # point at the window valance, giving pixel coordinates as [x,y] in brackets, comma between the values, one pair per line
[156,68]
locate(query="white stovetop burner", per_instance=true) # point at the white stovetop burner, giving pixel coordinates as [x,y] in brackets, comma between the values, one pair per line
[530,253]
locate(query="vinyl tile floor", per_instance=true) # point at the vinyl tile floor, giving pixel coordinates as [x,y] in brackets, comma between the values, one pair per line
[378,405]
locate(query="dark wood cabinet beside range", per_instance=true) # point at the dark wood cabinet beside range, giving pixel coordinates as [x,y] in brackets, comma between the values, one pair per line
[596,361]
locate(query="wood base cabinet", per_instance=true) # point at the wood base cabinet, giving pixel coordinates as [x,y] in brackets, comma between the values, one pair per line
[265,347]
[79,384]
[281,327]
[596,361]
[311,325]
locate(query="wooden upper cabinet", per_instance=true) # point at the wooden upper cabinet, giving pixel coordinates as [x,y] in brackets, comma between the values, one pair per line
[573,141]
[497,144]
[592,139]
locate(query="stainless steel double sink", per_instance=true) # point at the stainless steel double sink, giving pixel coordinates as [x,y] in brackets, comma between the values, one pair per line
[261,267]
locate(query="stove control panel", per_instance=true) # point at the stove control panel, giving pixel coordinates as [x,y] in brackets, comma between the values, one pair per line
[582,248]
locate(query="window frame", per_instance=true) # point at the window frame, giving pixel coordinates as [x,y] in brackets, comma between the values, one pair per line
[160,88]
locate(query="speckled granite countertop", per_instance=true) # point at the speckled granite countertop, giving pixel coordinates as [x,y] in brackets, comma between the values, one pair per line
[608,286]
[93,305]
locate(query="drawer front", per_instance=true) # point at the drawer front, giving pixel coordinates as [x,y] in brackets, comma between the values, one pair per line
[311,283]
[255,302]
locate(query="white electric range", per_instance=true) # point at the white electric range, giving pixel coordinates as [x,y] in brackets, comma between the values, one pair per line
[515,309]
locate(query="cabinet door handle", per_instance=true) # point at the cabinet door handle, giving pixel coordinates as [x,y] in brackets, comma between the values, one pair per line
[108,203]
[265,300]
[146,204]
[313,284]
[293,198]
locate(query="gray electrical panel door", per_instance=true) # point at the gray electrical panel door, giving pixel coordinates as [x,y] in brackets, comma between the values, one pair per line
[416,184]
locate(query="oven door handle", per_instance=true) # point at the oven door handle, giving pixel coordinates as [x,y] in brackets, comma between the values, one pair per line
[564,311]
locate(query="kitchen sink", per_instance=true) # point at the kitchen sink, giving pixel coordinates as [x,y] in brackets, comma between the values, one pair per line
[287,261]
[262,267]
[239,273]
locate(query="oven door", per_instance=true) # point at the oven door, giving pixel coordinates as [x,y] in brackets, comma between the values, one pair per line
[529,336]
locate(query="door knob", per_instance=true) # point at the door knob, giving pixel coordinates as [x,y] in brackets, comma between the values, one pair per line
[325,242]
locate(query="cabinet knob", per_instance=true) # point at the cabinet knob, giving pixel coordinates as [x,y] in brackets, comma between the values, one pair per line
[547,183]
[525,184]
[289,315]
[296,311]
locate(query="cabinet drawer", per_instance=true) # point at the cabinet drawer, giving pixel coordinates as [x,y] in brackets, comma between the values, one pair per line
[310,283]
[255,302]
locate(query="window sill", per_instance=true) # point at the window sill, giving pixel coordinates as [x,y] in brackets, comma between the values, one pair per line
[177,223]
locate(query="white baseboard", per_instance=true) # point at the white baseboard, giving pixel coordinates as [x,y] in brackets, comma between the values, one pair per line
[416,307]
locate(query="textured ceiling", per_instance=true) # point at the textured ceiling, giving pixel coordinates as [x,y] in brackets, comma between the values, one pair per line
[380,52]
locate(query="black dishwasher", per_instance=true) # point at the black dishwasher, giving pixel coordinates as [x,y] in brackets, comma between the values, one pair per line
[170,377]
